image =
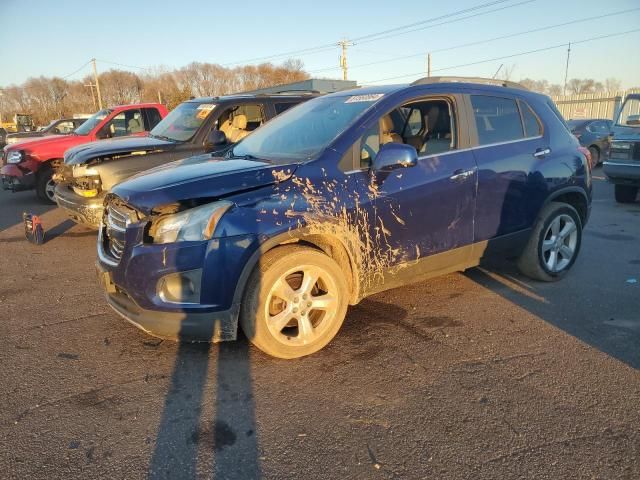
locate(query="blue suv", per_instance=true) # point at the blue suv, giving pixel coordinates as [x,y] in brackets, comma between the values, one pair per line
[341,197]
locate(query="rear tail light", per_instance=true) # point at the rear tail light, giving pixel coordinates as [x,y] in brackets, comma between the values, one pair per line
[585,151]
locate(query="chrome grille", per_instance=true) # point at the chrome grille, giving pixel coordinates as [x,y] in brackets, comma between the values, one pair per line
[116,219]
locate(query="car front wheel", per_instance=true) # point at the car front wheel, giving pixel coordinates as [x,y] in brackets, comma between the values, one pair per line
[294,303]
[554,243]
[45,186]
[626,193]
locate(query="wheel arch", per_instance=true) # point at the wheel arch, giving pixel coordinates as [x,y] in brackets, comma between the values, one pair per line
[574,196]
[328,244]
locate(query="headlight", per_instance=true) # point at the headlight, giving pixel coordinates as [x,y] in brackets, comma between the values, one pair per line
[80,171]
[14,157]
[621,145]
[191,225]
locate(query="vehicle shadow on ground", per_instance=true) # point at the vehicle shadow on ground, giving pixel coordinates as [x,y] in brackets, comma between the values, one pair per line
[229,440]
[503,279]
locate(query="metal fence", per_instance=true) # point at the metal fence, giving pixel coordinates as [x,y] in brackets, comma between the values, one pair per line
[592,105]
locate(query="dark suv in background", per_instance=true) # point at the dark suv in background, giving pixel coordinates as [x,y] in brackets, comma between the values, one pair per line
[62,126]
[203,125]
[623,166]
[593,133]
[339,198]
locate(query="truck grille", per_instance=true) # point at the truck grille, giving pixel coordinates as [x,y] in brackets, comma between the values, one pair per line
[116,218]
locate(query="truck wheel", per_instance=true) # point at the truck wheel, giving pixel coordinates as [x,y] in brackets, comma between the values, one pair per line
[595,156]
[45,185]
[294,303]
[554,243]
[626,193]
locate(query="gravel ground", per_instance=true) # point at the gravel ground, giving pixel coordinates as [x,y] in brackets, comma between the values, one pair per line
[479,375]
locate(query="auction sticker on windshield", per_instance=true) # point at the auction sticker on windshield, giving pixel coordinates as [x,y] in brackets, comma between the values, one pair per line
[204,109]
[371,97]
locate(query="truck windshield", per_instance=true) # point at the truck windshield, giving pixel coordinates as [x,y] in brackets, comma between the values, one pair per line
[304,131]
[630,113]
[92,122]
[183,122]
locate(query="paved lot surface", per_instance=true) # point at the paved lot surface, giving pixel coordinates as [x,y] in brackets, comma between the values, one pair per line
[480,375]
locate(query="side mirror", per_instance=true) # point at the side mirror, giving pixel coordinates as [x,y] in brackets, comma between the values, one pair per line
[395,155]
[107,131]
[633,120]
[216,138]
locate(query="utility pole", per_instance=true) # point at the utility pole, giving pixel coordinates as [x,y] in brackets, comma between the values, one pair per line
[93,97]
[95,76]
[566,70]
[429,64]
[159,97]
[343,58]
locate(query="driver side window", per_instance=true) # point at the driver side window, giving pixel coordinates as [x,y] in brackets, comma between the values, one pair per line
[426,125]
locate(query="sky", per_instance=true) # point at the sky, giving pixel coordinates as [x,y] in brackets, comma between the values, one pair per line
[50,38]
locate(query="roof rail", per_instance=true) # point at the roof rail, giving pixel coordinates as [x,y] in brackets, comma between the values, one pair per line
[484,81]
[293,92]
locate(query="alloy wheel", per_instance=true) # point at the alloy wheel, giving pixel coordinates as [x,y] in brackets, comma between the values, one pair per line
[301,305]
[560,242]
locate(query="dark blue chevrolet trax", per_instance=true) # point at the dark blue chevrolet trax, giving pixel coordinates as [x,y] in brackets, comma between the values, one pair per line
[341,197]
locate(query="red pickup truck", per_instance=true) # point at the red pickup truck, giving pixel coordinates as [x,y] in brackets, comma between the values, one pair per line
[29,165]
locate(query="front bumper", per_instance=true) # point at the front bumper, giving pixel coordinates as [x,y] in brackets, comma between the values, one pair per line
[82,210]
[17,179]
[622,173]
[180,326]
[132,284]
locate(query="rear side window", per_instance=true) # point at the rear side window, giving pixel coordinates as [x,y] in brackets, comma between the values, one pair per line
[497,119]
[153,117]
[281,107]
[532,127]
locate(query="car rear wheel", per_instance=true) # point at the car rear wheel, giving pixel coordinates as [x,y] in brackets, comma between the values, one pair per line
[595,157]
[626,193]
[45,186]
[294,303]
[554,243]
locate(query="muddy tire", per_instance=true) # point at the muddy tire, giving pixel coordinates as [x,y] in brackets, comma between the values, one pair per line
[626,193]
[45,185]
[554,243]
[294,303]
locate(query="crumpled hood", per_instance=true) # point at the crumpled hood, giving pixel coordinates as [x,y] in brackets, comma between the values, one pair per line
[200,177]
[117,146]
[629,134]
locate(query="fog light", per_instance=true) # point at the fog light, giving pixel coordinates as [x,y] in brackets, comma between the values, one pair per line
[180,287]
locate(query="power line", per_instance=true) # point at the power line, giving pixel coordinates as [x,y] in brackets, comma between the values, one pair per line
[480,42]
[370,37]
[454,20]
[544,49]
[122,64]
[434,19]
[71,74]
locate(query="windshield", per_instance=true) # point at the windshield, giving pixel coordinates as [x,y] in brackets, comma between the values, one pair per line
[183,122]
[574,124]
[630,113]
[303,132]
[92,122]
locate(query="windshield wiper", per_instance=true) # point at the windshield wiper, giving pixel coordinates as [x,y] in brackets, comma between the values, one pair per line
[162,137]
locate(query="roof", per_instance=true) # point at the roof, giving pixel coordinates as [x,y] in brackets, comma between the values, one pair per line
[139,105]
[240,96]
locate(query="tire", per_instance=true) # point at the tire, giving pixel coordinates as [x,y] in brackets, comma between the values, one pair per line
[595,156]
[45,185]
[300,332]
[547,242]
[626,193]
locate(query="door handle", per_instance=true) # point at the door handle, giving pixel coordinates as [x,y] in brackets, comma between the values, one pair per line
[460,175]
[542,152]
